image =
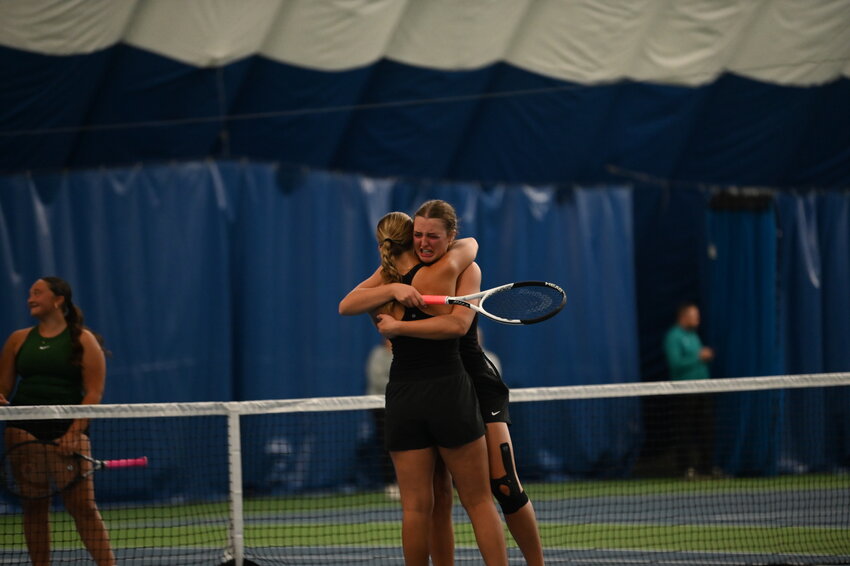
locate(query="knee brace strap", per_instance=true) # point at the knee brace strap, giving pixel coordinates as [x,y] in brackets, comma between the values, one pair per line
[515,498]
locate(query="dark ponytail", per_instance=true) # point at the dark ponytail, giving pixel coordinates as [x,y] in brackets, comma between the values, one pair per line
[73,318]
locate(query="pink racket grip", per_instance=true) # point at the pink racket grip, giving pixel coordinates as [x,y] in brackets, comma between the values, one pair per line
[127,463]
[435,299]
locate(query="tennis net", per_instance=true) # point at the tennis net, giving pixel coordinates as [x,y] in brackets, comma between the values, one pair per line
[731,471]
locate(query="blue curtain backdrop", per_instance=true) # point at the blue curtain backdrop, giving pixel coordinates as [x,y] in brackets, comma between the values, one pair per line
[220,281]
[742,327]
[815,295]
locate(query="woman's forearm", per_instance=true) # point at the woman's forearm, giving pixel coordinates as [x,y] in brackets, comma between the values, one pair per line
[365,299]
[441,327]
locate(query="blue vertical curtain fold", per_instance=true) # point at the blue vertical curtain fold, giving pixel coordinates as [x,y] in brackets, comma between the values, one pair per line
[742,326]
[815,293]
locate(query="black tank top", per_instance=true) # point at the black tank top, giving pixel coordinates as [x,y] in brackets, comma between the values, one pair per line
[475,361]
[418,358]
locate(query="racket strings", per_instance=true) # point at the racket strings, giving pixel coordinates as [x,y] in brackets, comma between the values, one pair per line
[524,302]
[33,470]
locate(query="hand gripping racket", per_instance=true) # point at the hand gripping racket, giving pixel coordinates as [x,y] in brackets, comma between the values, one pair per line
[35,469]
[526,302]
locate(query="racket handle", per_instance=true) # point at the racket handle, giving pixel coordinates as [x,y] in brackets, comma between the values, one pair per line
[435,299]
[127,463]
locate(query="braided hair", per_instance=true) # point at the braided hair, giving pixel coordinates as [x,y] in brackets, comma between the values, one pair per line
[73,318]
[395,235]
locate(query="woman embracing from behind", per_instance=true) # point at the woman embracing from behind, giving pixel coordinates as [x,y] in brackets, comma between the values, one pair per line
[60,362]
[431,407]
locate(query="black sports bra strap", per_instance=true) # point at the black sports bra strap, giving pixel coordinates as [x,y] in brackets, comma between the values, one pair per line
[408,277]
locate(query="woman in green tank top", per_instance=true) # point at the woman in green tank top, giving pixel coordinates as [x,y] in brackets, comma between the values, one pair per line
[59,362]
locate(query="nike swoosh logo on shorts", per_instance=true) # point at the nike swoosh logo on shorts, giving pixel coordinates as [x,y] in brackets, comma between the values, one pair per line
[494,413]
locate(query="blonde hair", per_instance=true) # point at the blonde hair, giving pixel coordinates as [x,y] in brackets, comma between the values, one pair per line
[442,210]
[395,235]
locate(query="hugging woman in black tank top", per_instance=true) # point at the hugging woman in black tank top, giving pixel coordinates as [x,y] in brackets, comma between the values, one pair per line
[431,408]
[493,399]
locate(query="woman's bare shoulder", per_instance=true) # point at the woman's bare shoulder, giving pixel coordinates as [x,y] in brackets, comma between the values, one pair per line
[17,338]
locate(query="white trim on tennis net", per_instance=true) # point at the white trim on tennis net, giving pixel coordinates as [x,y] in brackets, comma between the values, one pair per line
[354,403]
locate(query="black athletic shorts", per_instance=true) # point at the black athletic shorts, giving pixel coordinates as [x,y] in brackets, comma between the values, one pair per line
[493,398]
[441,411]
[45,430]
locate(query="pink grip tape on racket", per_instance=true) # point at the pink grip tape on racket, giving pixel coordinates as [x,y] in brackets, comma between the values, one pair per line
[126,463]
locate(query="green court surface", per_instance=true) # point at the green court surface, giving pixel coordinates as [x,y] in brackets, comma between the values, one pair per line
[757,515]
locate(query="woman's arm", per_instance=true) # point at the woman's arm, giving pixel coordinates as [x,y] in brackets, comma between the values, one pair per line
[372,293]
[443,327]
[7,364]
[94,381]
[461,254]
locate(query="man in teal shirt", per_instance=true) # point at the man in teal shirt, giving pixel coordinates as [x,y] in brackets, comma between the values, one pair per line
[688,359]
[686,355]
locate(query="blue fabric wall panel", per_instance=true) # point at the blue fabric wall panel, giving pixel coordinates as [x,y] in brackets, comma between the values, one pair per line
[163,110]
[822,156]
[814,279]
[607,271]
[650,126]
[42,93]
[19,224]
[168,273]
[535,137]
[746,134]
[742,286]
[834,237]
[290,124]
[801,282]
[131,105]
[833,217]
[418,139]
[302,246]
[741,324]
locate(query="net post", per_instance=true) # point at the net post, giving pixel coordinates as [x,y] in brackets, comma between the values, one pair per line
[234,457]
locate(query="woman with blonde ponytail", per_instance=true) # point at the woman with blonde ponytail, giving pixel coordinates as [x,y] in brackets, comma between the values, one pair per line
[60,362]
[395,237]
[432,412]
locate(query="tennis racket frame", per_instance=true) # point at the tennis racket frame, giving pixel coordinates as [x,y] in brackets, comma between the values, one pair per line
[482,296]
